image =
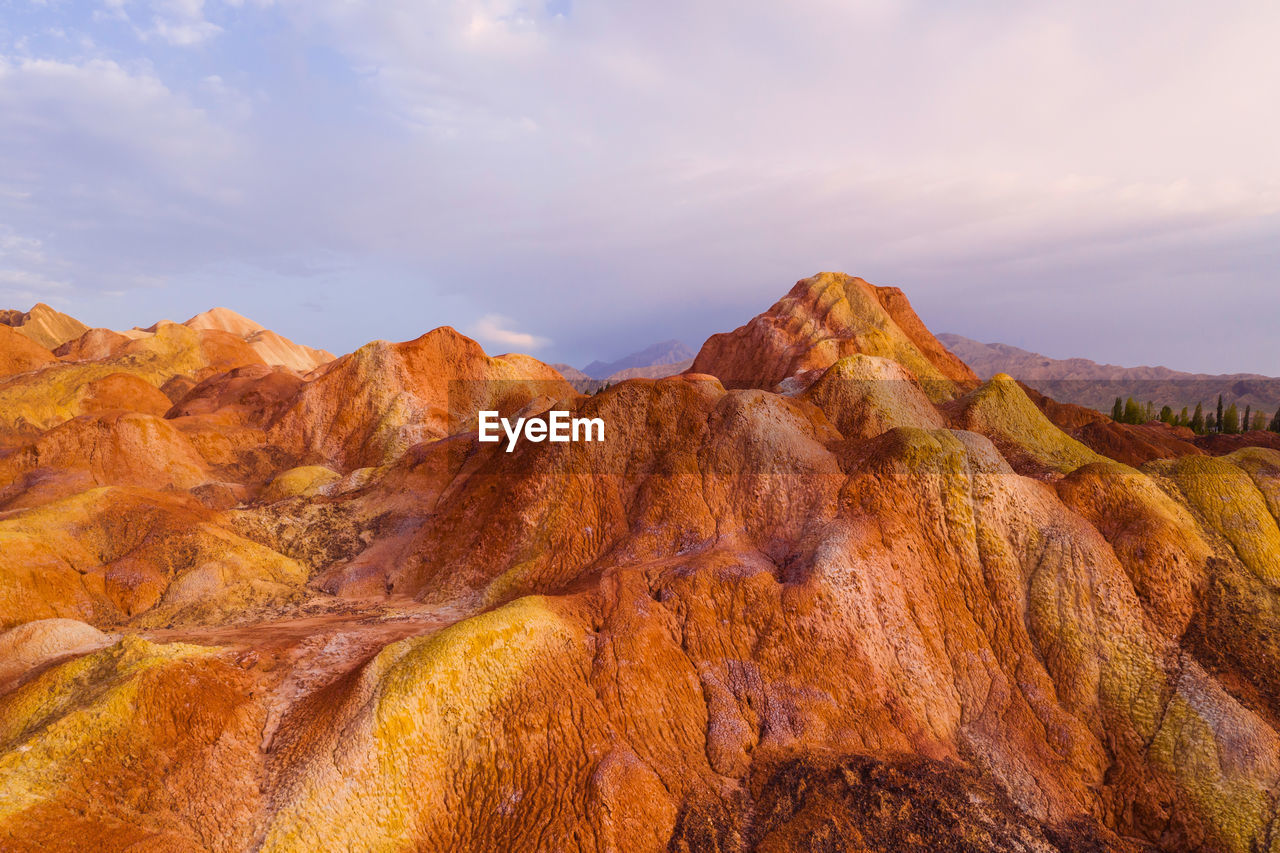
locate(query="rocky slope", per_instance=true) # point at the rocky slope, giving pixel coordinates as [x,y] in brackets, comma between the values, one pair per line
[825,591]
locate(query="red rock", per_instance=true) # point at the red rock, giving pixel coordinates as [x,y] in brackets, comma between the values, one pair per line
[823,319]
[19,354]
[369,407]
[93,345]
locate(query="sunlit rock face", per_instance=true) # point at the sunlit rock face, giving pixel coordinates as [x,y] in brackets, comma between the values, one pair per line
[823,319]
[825,591]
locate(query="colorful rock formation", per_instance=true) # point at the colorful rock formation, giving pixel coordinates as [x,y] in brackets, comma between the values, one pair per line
[824,591]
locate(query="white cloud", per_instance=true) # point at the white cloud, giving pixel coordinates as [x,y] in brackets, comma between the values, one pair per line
[27,283]
[177,22]
[16,247]
[653,163]
[108,110]
[183,34]
[105,161]
[25,271]
[496,330]
[633,124]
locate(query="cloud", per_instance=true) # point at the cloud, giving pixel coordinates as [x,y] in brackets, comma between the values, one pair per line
[666,169]
[25,272]
[108,163]
[181,23]
[27,285]
[88,119]
[496,330]
[182,33]
[16,247]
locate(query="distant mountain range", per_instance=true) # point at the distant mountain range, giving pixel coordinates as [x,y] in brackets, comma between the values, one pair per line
[1087,383]
[653,362]
[664,354]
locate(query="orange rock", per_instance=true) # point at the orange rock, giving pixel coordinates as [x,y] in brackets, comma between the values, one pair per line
[93,345]
[42,324]
[122,392]
[109,556]
[272,348]
[115,448]
[369,407]
[20,354]
[172,358]
[854,601]
[823,319]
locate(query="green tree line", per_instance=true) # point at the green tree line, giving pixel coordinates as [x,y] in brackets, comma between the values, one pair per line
[1226,420]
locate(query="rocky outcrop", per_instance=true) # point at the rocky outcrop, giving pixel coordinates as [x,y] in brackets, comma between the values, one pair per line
[111,556]
[43,325]
[20,354]
[823,319]
[371,406]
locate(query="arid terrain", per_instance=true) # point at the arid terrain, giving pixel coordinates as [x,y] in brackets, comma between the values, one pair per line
[825,590]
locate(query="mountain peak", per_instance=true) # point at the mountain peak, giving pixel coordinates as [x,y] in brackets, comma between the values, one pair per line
[659,354]
[46,326]
[822,319]
[226,320]
[274,348]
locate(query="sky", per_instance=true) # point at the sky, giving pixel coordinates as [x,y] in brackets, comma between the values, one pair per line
[579,179]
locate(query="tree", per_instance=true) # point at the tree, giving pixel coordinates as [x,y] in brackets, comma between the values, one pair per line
[1210,423]
[1132,412]
[1183,418]
[1166,416]
[1275,422]
[1117,411]
[1248,419]
[1230,423]
[1259,421]
[1218,422]
[1197,420]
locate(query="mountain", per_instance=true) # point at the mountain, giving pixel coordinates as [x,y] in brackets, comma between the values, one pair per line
[658,370]
[1087,383]
[42,324]
[144,370]
[273,348]
[826,590]
[823,319]
[587,385]
[571,373]
[655,356]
